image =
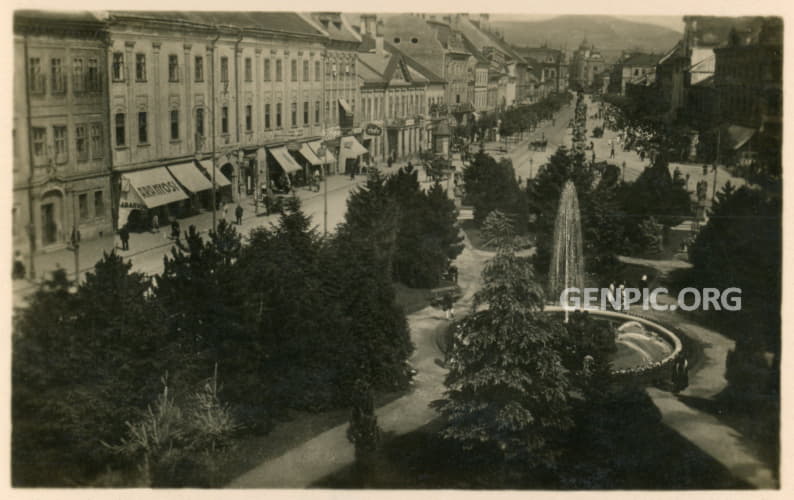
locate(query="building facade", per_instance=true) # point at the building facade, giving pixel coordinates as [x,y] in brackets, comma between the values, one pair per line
[586,63]
[61,160]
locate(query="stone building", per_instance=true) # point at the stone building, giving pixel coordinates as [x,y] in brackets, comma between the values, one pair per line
[586,63]
[253,82]
[61,160]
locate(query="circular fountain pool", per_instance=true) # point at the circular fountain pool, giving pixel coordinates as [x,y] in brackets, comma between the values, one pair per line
[644,346]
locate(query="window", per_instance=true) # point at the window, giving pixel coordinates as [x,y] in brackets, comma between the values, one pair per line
[249,71]
[92,76]
[327,110]
[143,128]
[198,68]
[81,142]
[267,116]
[174,118]
[267,70]
[37,82]
[316,71]
[457,98]
[294,114]
[249,121]
[61,151]
[224,69]
[56,73]
[225,120]
[39,142]
[305,71]
[305,113]
[317,112]
[293,69]
[83,204]
[118,67]
[173,68]
[120,132]
[278,115]
[78,74]
[97,145]
[140,67]
[278,70]
[99,204]
[200,122]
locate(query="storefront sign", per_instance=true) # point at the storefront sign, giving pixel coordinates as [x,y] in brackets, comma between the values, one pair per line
[158,189]
[409,123]
[373,130]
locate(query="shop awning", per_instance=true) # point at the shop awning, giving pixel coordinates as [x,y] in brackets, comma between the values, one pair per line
[190,177]
[154,186]
[307,153]
[220,179]
[315,146]
[285,160]
[346,106]
[737,136]
[351,148]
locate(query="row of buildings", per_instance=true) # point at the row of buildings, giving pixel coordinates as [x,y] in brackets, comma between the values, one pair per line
[119,116]
[722,82]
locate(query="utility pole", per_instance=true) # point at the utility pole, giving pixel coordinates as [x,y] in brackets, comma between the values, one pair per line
[212,98]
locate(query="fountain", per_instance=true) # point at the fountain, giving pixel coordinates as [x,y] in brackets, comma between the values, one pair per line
[567,259]
[646,350]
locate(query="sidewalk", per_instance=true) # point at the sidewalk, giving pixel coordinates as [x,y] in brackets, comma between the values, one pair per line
[146,242]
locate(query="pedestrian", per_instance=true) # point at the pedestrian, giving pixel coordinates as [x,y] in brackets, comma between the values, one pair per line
[226,212]
[18,272]
[155,224]
[175,230]
[705,170]
[124,234]
[612,151]
[238,212]
[593,156]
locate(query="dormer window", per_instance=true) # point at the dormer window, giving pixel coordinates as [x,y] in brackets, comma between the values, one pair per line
[396,39]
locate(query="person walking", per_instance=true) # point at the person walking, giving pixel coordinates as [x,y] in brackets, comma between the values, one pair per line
[611,150]
[175,230]
[238,212]
[155,223]
[226,212]
[18,271]
[124,234]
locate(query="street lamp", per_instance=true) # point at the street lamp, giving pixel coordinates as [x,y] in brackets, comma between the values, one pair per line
[321,152]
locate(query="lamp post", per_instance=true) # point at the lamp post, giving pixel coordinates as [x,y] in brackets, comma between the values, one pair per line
[322,153]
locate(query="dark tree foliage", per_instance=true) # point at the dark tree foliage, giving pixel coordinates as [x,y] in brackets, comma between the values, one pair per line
[84,362]
[200,293]
[740,246]
[428,236]
[492,185]
[507,391]
[656,194]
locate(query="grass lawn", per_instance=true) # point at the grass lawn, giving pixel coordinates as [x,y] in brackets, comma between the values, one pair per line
[624,446]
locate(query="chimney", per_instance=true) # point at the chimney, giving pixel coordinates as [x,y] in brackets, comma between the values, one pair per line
[379,45]
[484,21]
[368,24]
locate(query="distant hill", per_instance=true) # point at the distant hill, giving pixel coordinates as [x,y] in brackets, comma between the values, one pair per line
[609,34]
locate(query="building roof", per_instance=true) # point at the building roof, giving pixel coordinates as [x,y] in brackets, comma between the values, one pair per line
[474,51]
[428,74]
[41,20]
[543,55]
[284,22]
[639,59]
[335,26]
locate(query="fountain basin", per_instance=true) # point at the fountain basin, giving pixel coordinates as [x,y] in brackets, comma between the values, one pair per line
[646,350]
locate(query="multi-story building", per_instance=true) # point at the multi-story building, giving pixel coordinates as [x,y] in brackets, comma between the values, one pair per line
[551,63]
[637,69]
[586,63]
[434,44]
[341,94]
[61,161]
[748,80]
[258,83]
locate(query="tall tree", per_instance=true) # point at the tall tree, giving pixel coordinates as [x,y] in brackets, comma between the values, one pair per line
[507,389]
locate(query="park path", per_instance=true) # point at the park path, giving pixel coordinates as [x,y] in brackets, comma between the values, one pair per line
[330,451]
[707,380]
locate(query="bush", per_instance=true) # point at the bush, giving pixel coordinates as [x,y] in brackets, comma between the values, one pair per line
[598,132]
